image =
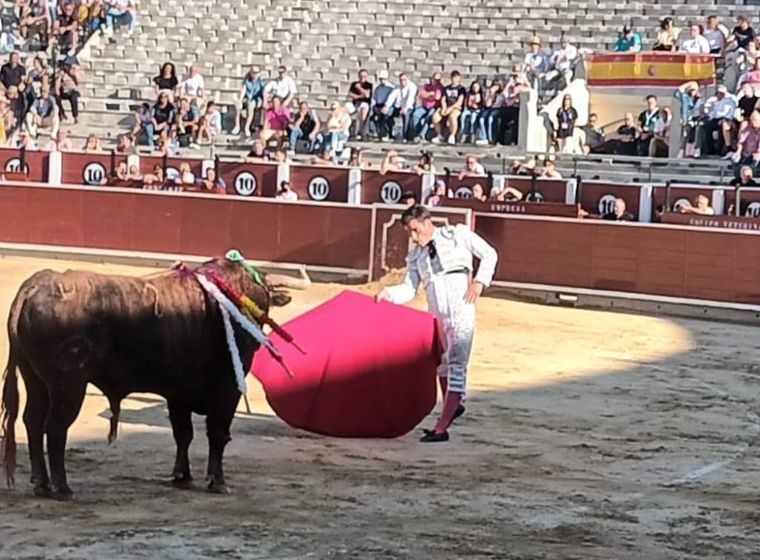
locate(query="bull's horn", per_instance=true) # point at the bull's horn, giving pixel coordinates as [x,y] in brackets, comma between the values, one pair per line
[283,281]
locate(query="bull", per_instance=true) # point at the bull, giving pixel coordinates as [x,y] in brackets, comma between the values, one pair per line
[162,335]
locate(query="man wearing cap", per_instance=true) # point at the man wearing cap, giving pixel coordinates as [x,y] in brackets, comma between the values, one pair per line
[720,115]
[251,98]
[628,41]
[283,87]
[384,99]
[442,260]
[536,63]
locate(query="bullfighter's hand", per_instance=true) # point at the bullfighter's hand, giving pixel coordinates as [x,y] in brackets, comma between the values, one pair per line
[473,292]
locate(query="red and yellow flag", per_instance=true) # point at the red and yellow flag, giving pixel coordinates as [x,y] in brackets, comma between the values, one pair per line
[649,69]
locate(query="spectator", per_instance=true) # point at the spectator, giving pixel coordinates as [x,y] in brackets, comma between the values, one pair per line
[306,126]
[166,81]
[355,159]
[647,121]
[58,143]
[43,114]
[337,128]
[624,141]
[37,75]
[162,121]
[618,213]
[697,44]
[506,194]
[92,145]
[701,207]
[746,103]
[741,36]
[250,101]
[752,76]
[515,167]
[594,134]
[746,178]
[384,100]
[185,176]
[211,124]
[430,101]
[257,153]
[359,102]
[34,23]
[478,194]
[716,34]
[439,193]
[117,176]
[425,164]
[286,193]
[536,64]
[450,110]
[472,168]
[667,37]
[143,117]
[720,114]
[193,86]
[188,123]
[408,198]
[121,11]
[550,170]
[748,149]
[659,145]
[134,174]
[628,41]
[472,107]
[490,122]
[509,115]
[390,162]
[283,87]
[125,145]
[165,146]
[691,118]
[12,73]
[156,177]
[67,86]
[276,120]
[566,119]
[212,183]
[405,105]
[563,60]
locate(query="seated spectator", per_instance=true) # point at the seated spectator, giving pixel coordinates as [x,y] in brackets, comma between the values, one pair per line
[506,194]
[305,126]
[38,74]
[478,193]
[719,111]
[212,183]
[515,167]
[566,118]
[283,86]
[618,213]
[193,86]
[624,141]
[276,120]
[550,170]
[472,168]
[257,153]
[406,101]
[383,109]
[134,174]
[156,178]
[746,178]
[424,164]
[12,73]
[185,176]
[746,103]
[92,145]
[143,118]
[250,101]
[741,36]
[628,41]
[439,193]
[35,22]
[359,103]
[66,28]
[660,143]
[536,64]
[748,148]
[43,114]
[697,43]
[716,34]
[337,128]
[594,134]
[563,61]
[450,110]
[163,119]
[667,36]
[430,101]
[117,176]
[211,124]
[647,121]
[67,87]
[701,207]
[390,162]
[120,11]
[125,145]
[490,125]
[408,198]
[356,159]
[166,81]
[188,123]
[751,76]
[286,193]
[473,105]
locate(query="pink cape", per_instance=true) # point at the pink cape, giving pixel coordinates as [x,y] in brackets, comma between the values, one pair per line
[369,369]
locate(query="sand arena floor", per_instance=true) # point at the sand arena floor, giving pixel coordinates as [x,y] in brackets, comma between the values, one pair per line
[589,435]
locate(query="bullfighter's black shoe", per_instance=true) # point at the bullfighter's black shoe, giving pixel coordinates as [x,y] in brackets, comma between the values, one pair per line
[459,412]
[432,437]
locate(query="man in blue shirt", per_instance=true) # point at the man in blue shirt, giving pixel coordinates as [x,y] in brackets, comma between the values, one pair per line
[251,99]
[628,41]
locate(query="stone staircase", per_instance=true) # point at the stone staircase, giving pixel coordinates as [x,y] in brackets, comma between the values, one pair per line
[325,42]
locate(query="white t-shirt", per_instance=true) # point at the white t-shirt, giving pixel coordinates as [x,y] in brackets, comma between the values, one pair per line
[715,38]
[290,196]
[193,86]
[281,88]
[697,45]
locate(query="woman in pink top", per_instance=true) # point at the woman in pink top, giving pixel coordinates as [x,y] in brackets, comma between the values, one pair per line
[276,120]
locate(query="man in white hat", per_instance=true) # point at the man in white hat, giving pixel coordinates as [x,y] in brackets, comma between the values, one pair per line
[442,260]
[536,63]
[384,101]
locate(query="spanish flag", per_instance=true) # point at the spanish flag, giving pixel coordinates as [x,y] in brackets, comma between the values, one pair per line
[650,69]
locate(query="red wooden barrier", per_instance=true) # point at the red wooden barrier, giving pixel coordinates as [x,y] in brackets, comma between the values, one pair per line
[36,168]
[388,188]
[749,202]
[462,188]
[147,163]
[679,195]
[320,183]
[249,179]
[599,198]
[535,208]
[79,168]
[547,190]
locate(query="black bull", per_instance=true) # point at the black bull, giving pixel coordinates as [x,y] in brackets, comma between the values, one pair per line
[160,335]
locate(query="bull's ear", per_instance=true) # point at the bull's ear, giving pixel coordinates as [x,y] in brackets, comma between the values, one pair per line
[280,299]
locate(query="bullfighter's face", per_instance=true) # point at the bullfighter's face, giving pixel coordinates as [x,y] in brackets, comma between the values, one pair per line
[421,231]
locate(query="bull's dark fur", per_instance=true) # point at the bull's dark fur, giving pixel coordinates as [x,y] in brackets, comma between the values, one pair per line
[161,335]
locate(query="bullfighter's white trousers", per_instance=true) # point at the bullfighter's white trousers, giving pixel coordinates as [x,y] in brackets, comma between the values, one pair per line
[445,297]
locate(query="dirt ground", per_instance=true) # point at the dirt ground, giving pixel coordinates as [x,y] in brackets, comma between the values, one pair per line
[589,435]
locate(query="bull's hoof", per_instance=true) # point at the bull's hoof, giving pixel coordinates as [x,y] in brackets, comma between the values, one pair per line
[218,487]
[183,482]
[62,493]
[42,491]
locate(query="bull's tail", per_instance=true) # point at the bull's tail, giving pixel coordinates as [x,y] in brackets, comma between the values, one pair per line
[9,414]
